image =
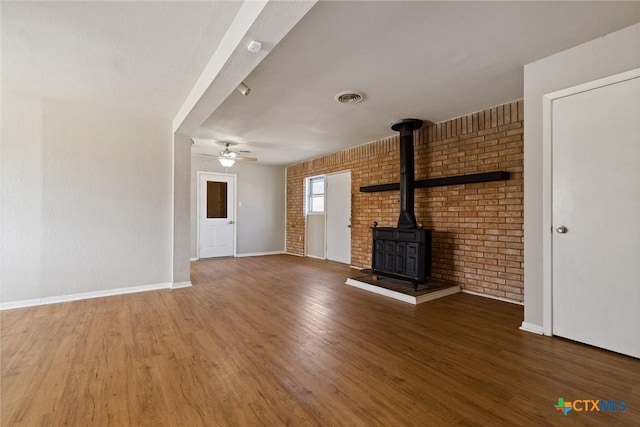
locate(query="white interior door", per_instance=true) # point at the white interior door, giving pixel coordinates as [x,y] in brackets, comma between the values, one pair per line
[315,236]
[596,198]
[338,217]
[216,215]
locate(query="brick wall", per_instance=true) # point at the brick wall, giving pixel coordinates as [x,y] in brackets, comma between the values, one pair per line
[478,228]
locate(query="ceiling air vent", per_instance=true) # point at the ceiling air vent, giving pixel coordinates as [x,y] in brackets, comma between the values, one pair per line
[349,97]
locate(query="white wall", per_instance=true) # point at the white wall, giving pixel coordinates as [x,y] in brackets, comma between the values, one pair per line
[181,209]
[612,54]
[86,198]
[261,191]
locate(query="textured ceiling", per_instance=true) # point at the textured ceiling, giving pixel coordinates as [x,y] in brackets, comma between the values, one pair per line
[428,60]
[139,56]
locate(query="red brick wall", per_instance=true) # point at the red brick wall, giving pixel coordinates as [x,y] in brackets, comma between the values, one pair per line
[478,228]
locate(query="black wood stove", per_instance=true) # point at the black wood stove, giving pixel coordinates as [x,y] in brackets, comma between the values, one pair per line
[404,252]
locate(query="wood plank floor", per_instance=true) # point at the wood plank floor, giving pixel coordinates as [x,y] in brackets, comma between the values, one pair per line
[280,340]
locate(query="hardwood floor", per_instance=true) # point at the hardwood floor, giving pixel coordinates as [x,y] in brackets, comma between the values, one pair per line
[280,340]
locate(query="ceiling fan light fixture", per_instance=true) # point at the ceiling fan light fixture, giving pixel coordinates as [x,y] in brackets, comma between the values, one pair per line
[226,162]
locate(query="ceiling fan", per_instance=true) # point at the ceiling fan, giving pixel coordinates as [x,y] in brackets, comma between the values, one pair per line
[228,157]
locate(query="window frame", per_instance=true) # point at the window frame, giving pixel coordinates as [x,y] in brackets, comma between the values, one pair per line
[310,195]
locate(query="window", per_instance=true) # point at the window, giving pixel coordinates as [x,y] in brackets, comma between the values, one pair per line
[216,199]
[315,200]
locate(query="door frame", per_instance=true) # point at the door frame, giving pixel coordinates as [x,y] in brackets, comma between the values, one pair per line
[234,178]
[306,200]
[326,210]
[547,184]
[307,181]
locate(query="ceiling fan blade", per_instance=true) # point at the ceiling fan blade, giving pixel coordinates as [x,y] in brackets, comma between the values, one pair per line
[246,159]
[208,155]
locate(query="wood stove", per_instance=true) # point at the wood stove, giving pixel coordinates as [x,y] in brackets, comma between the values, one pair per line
[404,252]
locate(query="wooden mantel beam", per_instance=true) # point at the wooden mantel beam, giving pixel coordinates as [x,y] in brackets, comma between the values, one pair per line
[440,182]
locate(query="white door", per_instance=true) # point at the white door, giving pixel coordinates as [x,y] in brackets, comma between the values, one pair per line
[216,216]
[338,217]
[596,217]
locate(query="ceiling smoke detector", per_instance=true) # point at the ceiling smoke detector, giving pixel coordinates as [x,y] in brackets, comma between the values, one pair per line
[349,97]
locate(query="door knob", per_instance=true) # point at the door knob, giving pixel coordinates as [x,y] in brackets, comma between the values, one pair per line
[561,229]
[230,222]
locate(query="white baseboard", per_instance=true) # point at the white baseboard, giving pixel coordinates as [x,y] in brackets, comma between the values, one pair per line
[260,254]
[179,285]
[530,327]
[20,304]
[81,296]
[465,291]
[316,257]
[292,254]
[194,259]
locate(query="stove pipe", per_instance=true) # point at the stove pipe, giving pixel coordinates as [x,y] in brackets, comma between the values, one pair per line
[406,127]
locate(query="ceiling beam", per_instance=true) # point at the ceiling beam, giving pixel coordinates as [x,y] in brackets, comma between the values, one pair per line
[266,21]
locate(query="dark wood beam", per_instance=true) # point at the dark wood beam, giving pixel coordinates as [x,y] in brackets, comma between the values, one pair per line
[439,182]
[380,187]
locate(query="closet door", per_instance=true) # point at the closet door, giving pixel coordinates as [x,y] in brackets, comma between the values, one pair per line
[596,217]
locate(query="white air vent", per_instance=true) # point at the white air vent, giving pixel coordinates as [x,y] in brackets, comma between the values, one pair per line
[349,97]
